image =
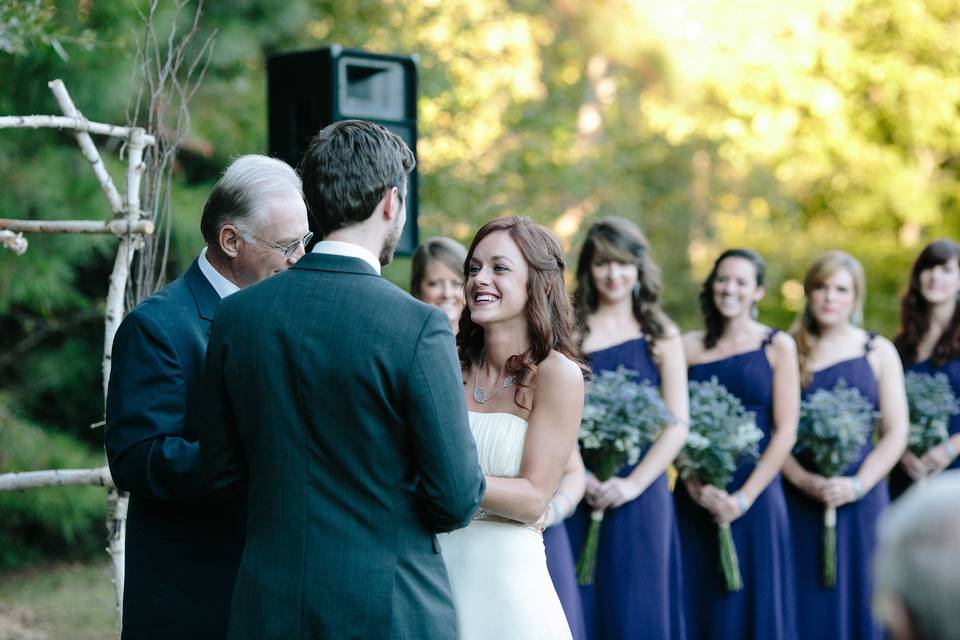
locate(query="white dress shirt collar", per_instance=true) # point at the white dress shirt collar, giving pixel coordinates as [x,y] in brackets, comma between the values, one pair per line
[223,286]
[348,249]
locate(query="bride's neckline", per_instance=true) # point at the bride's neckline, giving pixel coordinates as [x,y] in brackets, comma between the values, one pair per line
[498,413]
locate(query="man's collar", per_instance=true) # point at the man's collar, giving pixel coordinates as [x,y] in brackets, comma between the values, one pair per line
[223,286]
[348,249]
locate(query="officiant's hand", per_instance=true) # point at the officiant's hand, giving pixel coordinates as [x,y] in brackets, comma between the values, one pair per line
[914,466]
[614,492]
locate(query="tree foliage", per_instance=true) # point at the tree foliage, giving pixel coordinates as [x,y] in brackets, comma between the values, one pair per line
[791,127]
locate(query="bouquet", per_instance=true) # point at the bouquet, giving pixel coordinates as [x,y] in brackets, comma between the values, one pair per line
[931,403]
[620,417]
[722,433]
[834,427]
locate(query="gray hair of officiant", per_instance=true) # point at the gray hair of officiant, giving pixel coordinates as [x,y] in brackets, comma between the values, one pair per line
[917,562]
[241,194]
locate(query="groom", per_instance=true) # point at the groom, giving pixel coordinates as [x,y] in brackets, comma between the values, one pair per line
[339,398]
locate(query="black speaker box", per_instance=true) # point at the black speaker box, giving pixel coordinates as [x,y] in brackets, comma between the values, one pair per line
[307,90]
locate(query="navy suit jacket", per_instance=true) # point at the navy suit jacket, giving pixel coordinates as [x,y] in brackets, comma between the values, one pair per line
[183,540]
[340,398]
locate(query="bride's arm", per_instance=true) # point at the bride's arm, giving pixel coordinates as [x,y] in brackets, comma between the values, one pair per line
[551,435]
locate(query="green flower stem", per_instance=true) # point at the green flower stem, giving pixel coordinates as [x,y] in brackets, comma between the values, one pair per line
[587,564]
[729,562]
[830,547]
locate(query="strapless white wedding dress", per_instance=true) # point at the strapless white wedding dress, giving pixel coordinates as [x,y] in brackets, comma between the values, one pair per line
[498,571]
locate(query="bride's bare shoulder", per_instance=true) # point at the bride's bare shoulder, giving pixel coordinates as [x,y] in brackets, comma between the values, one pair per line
[559,370]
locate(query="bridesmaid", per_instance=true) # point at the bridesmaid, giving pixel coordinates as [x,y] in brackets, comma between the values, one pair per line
[831,348]
[758,365]
[929,342]
[556,542]
[637,591]
[436,276]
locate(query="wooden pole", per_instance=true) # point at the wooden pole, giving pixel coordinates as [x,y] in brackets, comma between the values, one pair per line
[19,481]
[66,122]
[87,147]
[118,227]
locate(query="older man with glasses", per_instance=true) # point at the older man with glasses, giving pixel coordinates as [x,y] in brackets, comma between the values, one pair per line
[184,541]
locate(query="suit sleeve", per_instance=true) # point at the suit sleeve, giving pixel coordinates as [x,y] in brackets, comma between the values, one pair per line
[221,451]
[146,413]
[451,482]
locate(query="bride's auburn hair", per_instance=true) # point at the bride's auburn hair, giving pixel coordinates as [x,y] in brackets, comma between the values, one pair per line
[548,309]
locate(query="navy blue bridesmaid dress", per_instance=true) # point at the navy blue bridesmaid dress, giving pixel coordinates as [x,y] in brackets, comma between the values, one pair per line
[842,612]
[899,480]
[764,608]
[637,588]
[560,564]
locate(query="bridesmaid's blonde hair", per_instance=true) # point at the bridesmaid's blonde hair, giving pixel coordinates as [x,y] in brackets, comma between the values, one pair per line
[805,329]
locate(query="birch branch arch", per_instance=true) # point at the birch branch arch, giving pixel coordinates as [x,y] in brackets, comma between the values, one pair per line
[168,68]
[129,226]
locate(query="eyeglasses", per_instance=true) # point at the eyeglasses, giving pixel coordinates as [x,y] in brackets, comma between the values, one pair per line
[286,250]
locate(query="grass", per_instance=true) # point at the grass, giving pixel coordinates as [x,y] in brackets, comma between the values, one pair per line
[53,601]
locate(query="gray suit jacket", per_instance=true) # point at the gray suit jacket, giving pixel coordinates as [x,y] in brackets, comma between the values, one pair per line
[339,398]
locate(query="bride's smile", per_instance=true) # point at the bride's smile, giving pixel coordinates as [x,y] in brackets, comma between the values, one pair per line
[497,280]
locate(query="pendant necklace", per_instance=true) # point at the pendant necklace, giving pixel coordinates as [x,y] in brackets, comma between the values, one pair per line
[480,394]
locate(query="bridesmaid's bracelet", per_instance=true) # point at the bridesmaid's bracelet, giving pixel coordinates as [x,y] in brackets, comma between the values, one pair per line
[950,448]
[857,487]
[741,502]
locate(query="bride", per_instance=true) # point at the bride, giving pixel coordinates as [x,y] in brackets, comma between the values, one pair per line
[524,389]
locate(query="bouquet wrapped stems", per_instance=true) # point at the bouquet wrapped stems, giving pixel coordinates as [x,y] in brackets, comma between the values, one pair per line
[587,564]
[722,435]
[834,426]
[830,547]
[729,562]
[621,415]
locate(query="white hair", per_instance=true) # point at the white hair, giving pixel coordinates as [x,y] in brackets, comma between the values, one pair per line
[917,560]
[243,190]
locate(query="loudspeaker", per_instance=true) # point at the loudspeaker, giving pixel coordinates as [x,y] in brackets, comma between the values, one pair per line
[307,90]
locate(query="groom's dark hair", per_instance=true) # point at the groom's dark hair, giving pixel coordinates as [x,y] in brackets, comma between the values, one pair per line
[348,168]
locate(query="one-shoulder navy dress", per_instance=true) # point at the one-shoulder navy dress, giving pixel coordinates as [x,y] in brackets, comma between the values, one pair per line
[764,608]
[843,611]
[637,589]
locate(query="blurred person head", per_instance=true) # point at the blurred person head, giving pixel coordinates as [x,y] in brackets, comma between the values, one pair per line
[514,277]
[917,562]
[615,264]
[255,221]
[835,287]
[436,276]
[733,288]
[934,281]
[355,176]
